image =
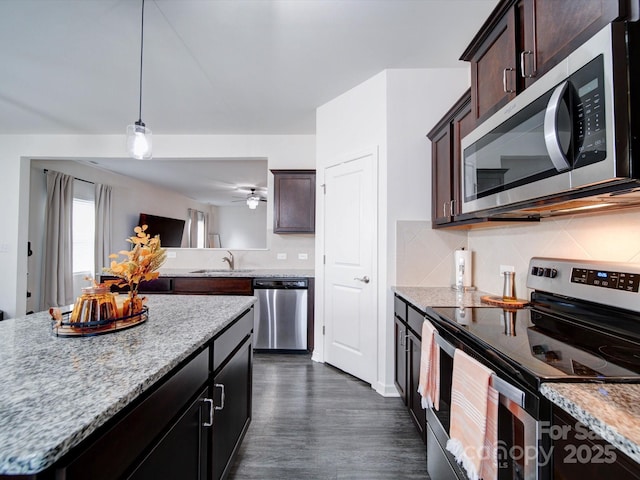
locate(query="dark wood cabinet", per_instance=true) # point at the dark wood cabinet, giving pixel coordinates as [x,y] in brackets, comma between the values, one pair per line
[231,391]
[523,39]
[189,426]
[408,349]
[446,158]
[294,201]
[213,285]
[414,352]
[580,454]
[186,444]
[400,364]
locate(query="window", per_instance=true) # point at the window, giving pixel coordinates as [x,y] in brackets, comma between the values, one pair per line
[83,229]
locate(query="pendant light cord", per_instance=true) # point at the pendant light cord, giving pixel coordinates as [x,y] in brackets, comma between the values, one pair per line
[141,50]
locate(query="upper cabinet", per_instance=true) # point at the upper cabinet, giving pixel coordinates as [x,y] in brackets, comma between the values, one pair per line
[294,201]
[446,158]
[523,39]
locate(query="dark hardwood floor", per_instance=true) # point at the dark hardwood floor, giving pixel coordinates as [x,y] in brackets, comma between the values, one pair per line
[312,421]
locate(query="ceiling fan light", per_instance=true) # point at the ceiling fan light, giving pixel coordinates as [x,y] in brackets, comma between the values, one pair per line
[253,202]
[139,141]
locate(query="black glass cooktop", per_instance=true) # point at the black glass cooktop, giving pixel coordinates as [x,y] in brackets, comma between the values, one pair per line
[552,347]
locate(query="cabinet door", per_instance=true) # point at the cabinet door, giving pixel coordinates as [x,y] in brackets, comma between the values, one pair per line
[558,27]
[441,172]
[463,124]
[415,400]
[294,197]
[231,391]
[182,451]
[580,454]
[400,365]
[494,78]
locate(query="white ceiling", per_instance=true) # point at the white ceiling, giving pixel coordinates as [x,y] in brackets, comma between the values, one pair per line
[211,66]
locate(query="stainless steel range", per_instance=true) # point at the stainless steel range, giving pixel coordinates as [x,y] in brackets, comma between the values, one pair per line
[583,325]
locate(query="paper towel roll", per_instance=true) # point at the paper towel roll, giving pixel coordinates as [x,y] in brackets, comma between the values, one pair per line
[462,268]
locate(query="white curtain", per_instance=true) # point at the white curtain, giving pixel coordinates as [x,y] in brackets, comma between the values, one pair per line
[103,241]
[197,229]
[57,278]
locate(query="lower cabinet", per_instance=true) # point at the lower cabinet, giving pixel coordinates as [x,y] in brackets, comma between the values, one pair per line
[580,454]
[408,349]
[188,427]
[231,391]
[185,444]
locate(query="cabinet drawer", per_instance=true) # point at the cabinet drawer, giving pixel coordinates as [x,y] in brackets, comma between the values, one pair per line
[117,451]
[213,286]
[229,339]
[415,318]
[400,308]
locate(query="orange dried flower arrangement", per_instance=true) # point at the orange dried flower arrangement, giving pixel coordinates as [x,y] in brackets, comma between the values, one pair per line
[139,264]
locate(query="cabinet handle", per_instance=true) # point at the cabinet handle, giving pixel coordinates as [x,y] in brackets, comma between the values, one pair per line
[210,422]
[444,209]
[451,208]
[523,68]
[403,336]
[406,347]
[504,80]
[221,387]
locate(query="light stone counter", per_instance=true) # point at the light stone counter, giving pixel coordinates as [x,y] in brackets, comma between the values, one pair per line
[610,410]
[240,272]
[55,391]
[425,297]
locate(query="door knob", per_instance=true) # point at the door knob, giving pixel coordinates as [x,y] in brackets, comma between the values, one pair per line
[364,279]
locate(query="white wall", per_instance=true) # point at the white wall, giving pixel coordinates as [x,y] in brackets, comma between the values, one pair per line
[282,151]
[242,227]
[392,111]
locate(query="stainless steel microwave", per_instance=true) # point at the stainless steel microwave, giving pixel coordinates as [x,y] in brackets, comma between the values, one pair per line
[567,136]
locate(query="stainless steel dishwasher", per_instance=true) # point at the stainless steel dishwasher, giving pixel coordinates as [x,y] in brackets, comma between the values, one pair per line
[280,314]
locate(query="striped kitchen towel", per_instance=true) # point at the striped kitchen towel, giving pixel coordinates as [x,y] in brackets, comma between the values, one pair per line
[429,384]
[469,413]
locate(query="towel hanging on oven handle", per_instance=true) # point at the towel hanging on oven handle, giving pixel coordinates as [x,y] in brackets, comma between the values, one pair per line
[503,387]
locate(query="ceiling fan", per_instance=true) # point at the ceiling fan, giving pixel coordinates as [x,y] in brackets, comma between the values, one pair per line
[253,199]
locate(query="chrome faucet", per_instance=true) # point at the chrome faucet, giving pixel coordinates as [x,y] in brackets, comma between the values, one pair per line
[229,259]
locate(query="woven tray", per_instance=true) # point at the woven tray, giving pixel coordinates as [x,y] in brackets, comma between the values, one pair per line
[499,302]
[65,328]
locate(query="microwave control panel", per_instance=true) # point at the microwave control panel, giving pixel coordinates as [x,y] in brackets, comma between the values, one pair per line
[590,123]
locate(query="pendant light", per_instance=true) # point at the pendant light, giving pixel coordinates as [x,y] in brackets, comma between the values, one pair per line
[138,135]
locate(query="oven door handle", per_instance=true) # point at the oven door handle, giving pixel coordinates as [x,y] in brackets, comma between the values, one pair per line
[507,390]
[444,345]
[512,370]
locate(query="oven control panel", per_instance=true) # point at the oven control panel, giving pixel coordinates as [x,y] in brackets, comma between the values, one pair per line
[606,279]
[608,283]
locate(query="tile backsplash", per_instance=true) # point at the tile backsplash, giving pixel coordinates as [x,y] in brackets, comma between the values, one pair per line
[425,256]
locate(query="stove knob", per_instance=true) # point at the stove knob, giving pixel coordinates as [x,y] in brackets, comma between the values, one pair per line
[547,272]
[554,273]
[534,271]
[540,272]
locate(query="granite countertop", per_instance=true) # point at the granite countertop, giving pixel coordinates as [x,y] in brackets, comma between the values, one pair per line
[612,410]
[425,297]
[57,390]
[239,272]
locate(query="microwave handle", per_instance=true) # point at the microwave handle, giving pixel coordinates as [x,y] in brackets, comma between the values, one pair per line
[551,139]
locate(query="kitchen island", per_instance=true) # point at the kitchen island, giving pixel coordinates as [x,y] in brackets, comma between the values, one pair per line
[61,396]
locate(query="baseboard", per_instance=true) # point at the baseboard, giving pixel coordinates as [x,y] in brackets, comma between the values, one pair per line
[386,390]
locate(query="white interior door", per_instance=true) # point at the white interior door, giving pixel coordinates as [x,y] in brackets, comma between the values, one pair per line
[350,225]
